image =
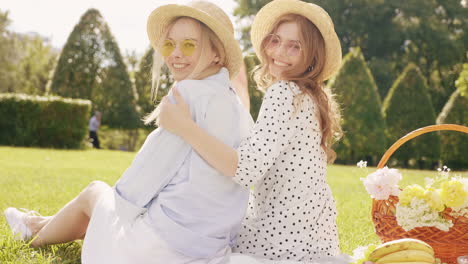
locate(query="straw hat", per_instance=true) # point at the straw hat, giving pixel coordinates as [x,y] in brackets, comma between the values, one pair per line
[205,12]
[269,14]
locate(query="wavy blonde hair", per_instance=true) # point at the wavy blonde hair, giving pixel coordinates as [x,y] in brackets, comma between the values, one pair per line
[307,76]
[209,40]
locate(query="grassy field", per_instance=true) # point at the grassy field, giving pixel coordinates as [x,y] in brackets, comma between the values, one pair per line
[45,179]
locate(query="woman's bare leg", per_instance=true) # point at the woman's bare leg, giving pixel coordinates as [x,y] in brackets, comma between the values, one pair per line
[71,222]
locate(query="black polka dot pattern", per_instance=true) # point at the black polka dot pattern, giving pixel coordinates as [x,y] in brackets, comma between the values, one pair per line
[291,213]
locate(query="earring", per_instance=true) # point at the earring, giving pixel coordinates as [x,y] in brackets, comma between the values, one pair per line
[310,68]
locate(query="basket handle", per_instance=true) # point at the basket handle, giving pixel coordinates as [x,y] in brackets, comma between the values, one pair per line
[416,133]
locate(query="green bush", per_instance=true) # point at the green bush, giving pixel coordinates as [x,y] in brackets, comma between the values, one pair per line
[251,61]
[454,149]
[408,107]
[90,66]
[43,121]
[362,120]
[123,139]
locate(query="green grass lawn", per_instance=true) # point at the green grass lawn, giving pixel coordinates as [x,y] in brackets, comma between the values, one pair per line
[45,179]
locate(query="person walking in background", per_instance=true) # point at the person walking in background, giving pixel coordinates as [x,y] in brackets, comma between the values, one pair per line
[94,124]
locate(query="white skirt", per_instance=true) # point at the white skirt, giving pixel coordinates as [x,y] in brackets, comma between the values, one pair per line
[119,233]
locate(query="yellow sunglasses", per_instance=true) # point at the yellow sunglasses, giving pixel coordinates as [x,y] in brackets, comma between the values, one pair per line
[187,46]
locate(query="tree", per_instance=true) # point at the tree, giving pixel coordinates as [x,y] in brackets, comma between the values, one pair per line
[90,66]
[9,56]
[143,77]
[392,34]
[455,144]
[251,61]
[363,123]
[462,82]
[25,60]
[408,107]
[36,63]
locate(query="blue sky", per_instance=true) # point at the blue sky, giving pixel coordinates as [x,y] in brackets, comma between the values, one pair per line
[55,19]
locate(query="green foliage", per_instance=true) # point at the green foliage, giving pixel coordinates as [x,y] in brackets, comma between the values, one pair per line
[362,120]
[25,60]
[454,144]
[90,66]
[408,107]
[392,34]
[36,63]
[143,77]
[8,55]
[123,139]
[462,82]
[43,121]
[251,61]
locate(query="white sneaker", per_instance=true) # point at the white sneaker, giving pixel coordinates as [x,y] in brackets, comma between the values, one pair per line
[17,221]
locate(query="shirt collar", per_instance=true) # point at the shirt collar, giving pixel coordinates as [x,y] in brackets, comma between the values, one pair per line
[222,76]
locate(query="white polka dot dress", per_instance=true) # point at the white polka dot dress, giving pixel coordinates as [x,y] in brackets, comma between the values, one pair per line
[291,213]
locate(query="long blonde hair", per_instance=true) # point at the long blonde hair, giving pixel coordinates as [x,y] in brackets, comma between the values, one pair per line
[307,75]
[209,40]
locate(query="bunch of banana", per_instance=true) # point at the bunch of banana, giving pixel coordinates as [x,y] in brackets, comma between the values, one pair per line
[403,251]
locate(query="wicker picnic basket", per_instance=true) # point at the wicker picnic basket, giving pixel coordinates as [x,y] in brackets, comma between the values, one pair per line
[447,245]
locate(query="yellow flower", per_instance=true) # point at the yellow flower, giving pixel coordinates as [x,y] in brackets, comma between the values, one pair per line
[410,192]
[434,200]
[452,193]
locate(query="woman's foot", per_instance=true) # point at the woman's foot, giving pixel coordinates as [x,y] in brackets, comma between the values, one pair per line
[19,222]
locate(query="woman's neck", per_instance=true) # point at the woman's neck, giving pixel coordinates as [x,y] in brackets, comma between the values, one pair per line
[211,70]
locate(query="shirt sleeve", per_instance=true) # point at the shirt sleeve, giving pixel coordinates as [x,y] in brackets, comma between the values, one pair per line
[272,132]
[221,119]
[156,163]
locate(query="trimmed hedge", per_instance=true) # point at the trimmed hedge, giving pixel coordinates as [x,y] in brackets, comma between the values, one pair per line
[408,107]
[363,123]
[43,121]
[454,144]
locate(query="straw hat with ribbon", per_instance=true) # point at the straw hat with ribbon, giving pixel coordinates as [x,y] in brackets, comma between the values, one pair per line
[209,14]
[269,14]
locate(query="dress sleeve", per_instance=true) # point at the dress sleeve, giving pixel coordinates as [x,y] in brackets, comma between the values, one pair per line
[272,132]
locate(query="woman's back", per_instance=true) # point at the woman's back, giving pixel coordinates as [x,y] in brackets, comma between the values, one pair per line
[291,213]
[187,197]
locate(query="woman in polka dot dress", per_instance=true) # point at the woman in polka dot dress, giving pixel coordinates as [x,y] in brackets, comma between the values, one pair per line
[291,213]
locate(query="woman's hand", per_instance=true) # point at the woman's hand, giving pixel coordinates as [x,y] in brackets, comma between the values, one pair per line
[176,117]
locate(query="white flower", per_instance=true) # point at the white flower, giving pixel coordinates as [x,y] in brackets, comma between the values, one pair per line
[429,181]
[419,214]
[444,171]
[362,164]
[382,183]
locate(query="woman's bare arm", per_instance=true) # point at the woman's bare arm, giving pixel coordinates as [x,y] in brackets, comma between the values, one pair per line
[220,156]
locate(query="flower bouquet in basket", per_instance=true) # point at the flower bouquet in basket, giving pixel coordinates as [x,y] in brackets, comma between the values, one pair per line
[437,204]
[435,213]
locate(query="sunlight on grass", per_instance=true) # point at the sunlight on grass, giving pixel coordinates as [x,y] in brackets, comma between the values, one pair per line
[46,179]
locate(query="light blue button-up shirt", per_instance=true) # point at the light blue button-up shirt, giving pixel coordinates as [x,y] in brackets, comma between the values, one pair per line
[192,206]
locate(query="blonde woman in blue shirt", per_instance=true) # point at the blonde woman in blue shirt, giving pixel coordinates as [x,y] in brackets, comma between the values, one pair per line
[291,213]
[169,206]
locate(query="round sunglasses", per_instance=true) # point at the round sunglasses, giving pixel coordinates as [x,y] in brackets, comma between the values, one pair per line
[273,41]
[186,46]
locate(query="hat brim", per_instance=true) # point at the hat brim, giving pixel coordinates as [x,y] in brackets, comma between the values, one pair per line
[161,17]
[269,14]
